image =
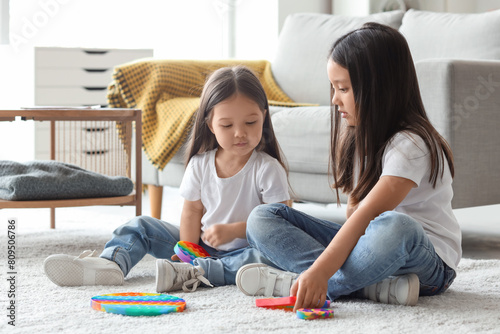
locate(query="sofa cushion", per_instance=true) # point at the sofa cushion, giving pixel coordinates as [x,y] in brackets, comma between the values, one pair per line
[304,136]
[450,35]
[300,63]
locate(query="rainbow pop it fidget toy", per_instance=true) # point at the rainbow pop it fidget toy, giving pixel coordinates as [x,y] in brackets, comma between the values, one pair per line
[314,313]
[188,251]
[138,303]
[281,303]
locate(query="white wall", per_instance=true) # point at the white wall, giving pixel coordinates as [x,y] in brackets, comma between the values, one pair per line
[256,29]
[460,6]
[258,23]
[287,7]
[486,5]
[366,7]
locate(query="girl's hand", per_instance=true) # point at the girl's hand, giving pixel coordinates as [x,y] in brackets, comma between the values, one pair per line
[310,289]
[175,258]
[218,234]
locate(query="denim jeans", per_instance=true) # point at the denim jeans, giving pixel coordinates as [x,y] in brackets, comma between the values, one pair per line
[393,244]
[146,235]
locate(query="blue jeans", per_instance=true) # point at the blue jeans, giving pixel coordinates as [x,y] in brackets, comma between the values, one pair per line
[146,235]
[393,244]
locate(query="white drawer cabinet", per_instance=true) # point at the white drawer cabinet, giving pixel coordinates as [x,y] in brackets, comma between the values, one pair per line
[76,77]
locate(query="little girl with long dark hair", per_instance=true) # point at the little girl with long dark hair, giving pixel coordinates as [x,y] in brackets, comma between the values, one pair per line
[234,164]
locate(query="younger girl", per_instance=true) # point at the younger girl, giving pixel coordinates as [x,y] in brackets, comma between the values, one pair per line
[234,164]
[401,239]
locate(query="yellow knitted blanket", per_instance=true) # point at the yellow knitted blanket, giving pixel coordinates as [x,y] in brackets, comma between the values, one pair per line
[168,91]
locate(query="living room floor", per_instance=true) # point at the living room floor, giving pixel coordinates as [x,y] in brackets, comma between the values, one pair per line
[480,225]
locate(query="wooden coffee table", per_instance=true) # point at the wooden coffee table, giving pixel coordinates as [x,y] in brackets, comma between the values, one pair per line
[119,128]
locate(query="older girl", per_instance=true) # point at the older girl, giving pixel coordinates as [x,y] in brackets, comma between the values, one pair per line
[401,239]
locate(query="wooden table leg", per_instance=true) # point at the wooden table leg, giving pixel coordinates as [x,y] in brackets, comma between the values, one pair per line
[52,218]
[155,199]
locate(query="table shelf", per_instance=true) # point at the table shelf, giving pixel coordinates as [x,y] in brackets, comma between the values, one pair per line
[65,203]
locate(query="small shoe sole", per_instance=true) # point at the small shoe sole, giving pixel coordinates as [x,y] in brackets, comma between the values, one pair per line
[241,273]
[160,268]
[63,270]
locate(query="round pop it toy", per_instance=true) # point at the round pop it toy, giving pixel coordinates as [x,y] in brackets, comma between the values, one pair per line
[188,251]
[138,303]
[314,313]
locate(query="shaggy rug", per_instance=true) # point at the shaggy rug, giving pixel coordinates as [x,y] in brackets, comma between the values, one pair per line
[472,304]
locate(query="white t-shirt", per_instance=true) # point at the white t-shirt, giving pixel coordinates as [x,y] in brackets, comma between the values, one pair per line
[229,200]
[407,156]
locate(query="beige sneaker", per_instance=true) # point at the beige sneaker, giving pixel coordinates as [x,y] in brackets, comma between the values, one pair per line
[85,269]
[397,290]
[172,276]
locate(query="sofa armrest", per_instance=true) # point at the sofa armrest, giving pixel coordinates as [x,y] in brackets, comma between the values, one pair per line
[462,100]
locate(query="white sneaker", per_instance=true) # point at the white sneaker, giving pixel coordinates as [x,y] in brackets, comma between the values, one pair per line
[85,269]
[258,279]
[172,276]
[397,290]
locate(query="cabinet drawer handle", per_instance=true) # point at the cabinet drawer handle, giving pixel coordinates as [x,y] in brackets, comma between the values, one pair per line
[95,70]
[95,52]
[96,152]
[95,129]
[95,88]
[95,106]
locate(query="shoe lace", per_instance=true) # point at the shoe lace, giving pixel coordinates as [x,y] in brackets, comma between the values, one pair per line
[191,277]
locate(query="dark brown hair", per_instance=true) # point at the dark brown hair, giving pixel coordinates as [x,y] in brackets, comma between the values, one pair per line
[387,99]
[221,85]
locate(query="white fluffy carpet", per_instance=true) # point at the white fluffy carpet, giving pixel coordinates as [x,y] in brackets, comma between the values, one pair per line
[472,304]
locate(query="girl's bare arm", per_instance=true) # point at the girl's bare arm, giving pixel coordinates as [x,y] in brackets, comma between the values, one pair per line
[350,207]
[190,228]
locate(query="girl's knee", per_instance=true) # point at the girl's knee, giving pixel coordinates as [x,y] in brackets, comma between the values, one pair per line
[137,224]
[396,225]
[139,221]
[264,211]
[390,233]
[262,214]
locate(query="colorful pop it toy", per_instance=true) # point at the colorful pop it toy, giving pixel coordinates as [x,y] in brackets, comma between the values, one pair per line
[188,251]
[314,313]
[281,303]
[138,303]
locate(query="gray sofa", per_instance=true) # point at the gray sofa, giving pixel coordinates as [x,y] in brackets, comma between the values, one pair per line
[457,57]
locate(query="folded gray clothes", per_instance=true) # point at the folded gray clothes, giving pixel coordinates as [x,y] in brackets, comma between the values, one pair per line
[49,180]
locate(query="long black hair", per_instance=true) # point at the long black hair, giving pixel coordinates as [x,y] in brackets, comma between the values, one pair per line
[387,99]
